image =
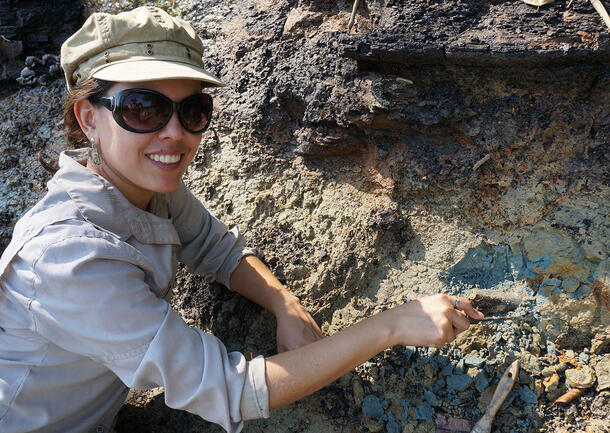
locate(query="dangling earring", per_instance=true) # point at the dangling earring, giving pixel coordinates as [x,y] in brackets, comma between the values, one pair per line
[94,155]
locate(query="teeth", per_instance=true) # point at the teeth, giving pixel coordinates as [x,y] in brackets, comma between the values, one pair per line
[165,159]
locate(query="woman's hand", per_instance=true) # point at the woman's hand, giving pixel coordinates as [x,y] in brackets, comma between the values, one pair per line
[295,327]
[430,321]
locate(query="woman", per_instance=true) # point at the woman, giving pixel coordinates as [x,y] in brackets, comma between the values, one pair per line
[86,279]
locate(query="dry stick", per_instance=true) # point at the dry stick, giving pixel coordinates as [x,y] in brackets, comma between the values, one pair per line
[481,162]
[599,7]
[353,17]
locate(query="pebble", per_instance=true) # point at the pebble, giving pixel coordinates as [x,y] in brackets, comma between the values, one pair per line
[27,72]
[481,382]
[391,426]
[537,339]
[474,360]
[580,378]
[551,383]
[530,364]
[523,377]
[548,371]
[459,368]
[31,60]
[459,382]
[443,361]
[560,390]
[602,370]
[431,398]
[561,367]
[447,370]
[553,282]
[570,284]
[425,412]
[371,407]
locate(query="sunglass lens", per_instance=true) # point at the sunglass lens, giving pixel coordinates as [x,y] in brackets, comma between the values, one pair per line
[195,112]
[144,111]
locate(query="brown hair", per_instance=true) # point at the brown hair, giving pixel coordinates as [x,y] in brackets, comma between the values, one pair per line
[75,136]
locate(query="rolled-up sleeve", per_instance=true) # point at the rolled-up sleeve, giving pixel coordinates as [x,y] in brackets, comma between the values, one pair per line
[91,298]
[209,247]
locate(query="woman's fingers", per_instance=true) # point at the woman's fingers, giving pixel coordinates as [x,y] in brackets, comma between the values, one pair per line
[466,306]
[459,320]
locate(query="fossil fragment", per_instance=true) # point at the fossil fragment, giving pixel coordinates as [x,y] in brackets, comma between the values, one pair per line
[492,302]
[568,396]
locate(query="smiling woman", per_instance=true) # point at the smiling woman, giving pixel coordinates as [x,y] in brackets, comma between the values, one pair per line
[86,280]
[145,149]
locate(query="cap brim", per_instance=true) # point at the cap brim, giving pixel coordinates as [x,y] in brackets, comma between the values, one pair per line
[146,70]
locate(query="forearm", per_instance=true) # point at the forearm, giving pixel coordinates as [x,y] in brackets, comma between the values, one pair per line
[429,321]
[253,280]
[295,374]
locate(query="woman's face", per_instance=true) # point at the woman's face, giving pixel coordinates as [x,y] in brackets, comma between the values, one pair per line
[133,161]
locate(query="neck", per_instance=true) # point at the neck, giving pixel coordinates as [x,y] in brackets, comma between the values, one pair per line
[136,195]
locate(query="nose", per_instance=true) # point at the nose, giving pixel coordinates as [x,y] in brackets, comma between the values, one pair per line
[173,129]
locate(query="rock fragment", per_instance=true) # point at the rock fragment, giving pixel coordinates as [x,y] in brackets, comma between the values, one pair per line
[459,382]
[527,395]
[580,377]
[492,302]
[602,371]
[371,406]
[474,360]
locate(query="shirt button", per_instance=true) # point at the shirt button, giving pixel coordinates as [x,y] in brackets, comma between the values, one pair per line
[100,429]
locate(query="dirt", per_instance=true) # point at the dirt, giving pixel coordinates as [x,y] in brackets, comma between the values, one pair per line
[440,147]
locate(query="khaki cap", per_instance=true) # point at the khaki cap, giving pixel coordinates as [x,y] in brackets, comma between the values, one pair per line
[140,45]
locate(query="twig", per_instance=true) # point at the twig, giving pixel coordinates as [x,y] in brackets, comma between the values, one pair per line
[481,162]
[353,17]
[599,7]
[569,4]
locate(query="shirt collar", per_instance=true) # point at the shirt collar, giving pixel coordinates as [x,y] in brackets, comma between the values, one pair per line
[102,204]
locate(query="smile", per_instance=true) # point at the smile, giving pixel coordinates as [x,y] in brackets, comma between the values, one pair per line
[165,159]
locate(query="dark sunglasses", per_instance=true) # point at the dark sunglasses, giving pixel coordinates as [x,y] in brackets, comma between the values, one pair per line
[144,110]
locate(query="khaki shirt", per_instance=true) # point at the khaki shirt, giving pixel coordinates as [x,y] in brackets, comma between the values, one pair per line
[85,285]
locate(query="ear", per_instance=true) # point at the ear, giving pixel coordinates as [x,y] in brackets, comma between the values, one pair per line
[86,116]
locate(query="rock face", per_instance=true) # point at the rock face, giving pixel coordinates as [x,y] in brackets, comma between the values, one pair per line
[34,28]
[442,146]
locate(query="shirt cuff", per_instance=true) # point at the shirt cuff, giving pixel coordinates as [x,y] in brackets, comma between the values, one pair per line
[255,399]
[234,263]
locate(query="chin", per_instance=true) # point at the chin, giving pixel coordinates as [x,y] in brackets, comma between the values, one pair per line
[166,187]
